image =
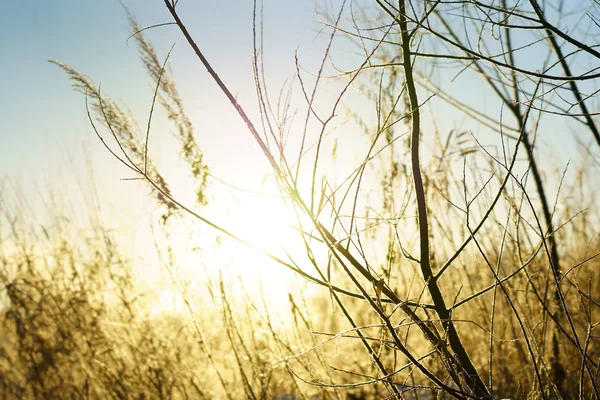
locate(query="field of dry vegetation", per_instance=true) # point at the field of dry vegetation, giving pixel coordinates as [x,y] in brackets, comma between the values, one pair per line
[457,258]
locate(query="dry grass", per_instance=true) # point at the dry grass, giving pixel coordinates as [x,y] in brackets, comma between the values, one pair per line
[79,322]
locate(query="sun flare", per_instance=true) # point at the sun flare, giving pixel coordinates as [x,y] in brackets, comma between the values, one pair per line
[270,228]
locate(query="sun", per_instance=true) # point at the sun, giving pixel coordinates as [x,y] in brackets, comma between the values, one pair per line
[258,224]
[268,226]
[265,225]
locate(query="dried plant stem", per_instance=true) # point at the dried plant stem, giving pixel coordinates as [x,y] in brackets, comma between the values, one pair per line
[471,376]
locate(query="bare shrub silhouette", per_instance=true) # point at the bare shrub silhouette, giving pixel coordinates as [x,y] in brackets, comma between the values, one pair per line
[444,272]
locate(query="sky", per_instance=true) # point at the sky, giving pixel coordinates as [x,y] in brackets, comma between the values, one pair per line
[42,115]
[46,139]
[44,122]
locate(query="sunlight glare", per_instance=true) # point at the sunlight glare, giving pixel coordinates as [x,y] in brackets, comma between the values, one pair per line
[269,226]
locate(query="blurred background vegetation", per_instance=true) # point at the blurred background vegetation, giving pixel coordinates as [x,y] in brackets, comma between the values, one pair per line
[312,281]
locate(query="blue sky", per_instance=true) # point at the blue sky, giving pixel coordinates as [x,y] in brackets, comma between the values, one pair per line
[46,140]
[44,124]
[45,136]
[44,120]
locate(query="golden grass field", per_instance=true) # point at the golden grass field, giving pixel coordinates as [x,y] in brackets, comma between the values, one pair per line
[471,272]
